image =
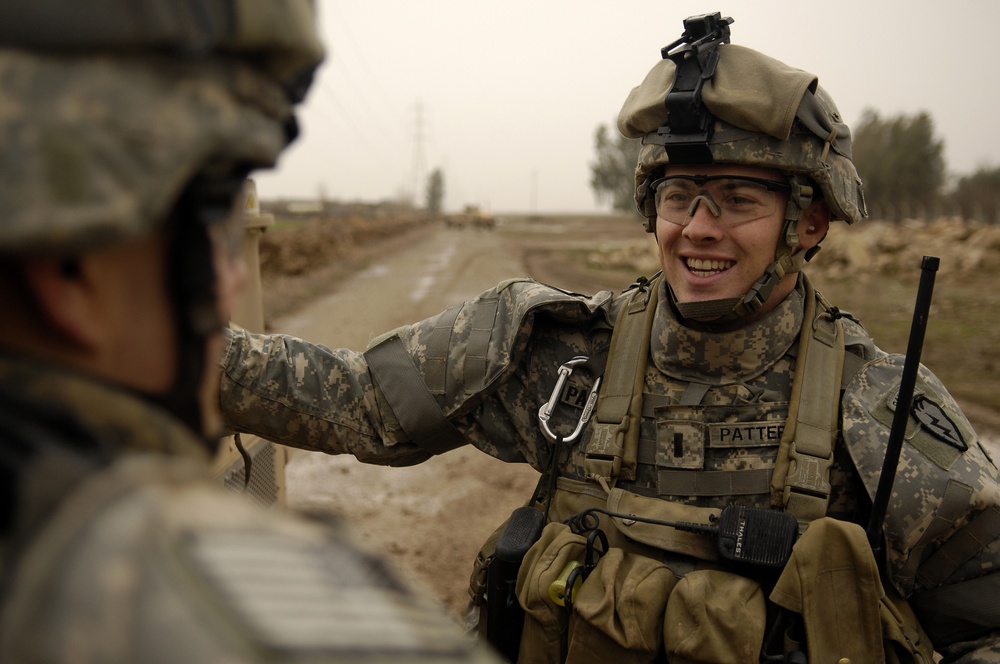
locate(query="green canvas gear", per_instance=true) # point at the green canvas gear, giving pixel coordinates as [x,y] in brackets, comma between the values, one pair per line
[801,478]
[614,436]
[832,580]
[767,115]
[800,482]
[606,616]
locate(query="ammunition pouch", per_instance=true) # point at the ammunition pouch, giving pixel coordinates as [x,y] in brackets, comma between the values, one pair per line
[632,608]
[629,607]
[614,614]
[715,616]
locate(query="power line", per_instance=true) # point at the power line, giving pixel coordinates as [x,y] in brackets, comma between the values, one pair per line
[358,53]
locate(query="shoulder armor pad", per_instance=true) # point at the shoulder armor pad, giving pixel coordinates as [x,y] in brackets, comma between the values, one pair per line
[464,349]
[944,479]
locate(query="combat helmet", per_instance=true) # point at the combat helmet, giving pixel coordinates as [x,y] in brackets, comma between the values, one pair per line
[111,108]
[708,101]
[123,116]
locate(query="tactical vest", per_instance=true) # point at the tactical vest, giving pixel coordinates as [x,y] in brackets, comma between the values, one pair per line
[805,437]
[646,581]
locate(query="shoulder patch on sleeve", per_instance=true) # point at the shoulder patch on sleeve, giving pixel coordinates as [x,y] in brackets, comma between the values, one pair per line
[936,426]
[944,477]
[935,421]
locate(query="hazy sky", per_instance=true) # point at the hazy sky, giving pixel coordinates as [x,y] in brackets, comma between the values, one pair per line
[505,96]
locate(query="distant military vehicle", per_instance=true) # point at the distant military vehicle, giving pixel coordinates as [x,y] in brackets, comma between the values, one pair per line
[471,217]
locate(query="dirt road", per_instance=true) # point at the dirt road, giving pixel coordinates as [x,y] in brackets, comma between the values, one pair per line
[432,517]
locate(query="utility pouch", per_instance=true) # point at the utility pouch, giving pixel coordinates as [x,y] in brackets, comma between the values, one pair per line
[714,616]
[664,537]
[543,639]
[618,610]
[614,613]
[833,581]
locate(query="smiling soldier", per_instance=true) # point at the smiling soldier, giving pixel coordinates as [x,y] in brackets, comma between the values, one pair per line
[731,411]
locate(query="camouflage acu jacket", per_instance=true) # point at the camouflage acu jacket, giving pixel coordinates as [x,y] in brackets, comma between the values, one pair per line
[714,406]
[116,546]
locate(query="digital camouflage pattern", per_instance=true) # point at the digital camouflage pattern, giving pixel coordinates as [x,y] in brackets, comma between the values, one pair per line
[98,146]
[122,533]
[105,146]
[943,521]
[267,376]
[116,544]
[309,396]
[767,114]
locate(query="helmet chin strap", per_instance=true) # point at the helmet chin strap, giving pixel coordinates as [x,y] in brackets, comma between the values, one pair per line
[788,259]
[192,279]
[732,309]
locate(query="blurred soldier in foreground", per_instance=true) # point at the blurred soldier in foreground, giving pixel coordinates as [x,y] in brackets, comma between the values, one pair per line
[737,412]
[128,129]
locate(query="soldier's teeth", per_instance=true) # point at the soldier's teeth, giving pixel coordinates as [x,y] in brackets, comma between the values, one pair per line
[699,265]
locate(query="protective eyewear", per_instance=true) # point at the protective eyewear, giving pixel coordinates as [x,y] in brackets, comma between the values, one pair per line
[732,199]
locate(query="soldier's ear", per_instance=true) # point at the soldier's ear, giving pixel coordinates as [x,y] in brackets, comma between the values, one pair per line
[65,299]
[813,224]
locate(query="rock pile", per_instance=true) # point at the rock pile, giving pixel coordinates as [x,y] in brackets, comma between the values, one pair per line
[885,248]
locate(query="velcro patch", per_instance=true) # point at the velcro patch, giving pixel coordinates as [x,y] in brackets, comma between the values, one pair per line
[934,420]
[745,434]
[574,395]
[933,427]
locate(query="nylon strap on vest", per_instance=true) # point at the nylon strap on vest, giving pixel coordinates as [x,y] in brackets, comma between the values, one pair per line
[800,482]
[411,401]
[801,479]
[614,442]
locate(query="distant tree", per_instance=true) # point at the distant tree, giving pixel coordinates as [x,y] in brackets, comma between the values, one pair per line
[900,161]
[977,196]
[435,192]
[612,176]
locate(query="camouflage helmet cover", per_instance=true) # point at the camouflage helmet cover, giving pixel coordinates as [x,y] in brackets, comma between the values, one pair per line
[108,110]
[767,114]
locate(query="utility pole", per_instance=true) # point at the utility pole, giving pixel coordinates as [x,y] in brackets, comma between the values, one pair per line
[418,153]
[534,192]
